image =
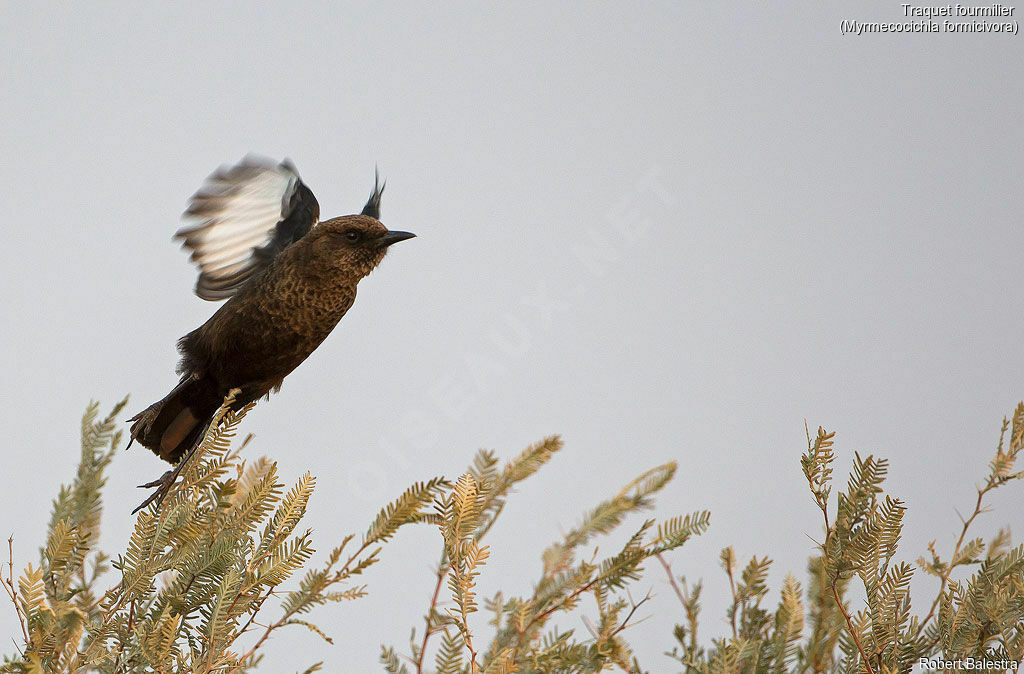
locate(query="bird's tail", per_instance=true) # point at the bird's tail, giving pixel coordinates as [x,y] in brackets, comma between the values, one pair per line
[173,425]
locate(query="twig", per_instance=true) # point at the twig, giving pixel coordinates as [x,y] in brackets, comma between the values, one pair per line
[632,611]
[618,656]
[542,617]
[835,591]
[120,646]
[671,580]
[266,635]
[849,625]
[9,586]
[956,551]
[735,600]
[338,576]
[467,637]
[442,571]
[443,568]
[252,616]
[835,594]
[688,608]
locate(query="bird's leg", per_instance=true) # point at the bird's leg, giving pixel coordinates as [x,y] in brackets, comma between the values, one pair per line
[164,482]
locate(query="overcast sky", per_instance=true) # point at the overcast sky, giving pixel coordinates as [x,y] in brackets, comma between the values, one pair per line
[667,231]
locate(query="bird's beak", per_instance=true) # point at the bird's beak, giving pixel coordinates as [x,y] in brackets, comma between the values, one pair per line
[394,237]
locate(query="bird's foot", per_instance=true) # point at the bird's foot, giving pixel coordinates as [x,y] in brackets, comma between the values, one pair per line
[164,483]
[163,479]
[163,486]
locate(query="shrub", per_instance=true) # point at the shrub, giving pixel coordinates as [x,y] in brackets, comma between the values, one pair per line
[201,566]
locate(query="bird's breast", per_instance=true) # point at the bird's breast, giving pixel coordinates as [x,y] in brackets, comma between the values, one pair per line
[263,337]
[302,319]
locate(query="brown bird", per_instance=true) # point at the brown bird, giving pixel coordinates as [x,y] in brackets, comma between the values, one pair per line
[288,279]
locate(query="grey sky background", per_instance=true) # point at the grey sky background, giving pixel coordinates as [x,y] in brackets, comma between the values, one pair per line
[667,231]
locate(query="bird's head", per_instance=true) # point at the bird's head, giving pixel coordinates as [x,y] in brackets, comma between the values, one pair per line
[353,244]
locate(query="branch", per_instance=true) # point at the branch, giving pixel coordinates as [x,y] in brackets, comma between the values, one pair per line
[849,626]
[629,616]
[442,571]
[839,601]
[956,551]
[464,584]
[671,580]
[338,576]
[735,600]
[8,584]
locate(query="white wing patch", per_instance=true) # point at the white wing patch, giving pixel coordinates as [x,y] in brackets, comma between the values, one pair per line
[234,213]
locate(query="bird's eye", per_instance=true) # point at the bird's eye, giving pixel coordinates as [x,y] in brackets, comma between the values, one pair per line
[353,236]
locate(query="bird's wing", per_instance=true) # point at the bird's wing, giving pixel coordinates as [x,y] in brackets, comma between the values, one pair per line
[242,217]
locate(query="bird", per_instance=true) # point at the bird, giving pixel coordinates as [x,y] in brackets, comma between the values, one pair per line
[254,232]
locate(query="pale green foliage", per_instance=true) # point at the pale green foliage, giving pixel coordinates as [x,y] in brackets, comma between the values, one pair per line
[198,570]
[519,636]
[856,614]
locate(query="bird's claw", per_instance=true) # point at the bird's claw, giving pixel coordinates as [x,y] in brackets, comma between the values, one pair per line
[162,484]
[159,481]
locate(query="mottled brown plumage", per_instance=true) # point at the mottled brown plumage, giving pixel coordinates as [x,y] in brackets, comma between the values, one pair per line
[278,318]
[284,306]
